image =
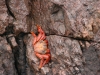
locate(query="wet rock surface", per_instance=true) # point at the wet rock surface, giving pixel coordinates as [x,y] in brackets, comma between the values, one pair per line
[72,29]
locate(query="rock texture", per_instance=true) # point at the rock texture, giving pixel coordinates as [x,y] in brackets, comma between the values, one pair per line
[6,58]
[72,28]
[3,16]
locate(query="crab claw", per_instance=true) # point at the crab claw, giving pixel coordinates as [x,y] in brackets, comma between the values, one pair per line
[31,32]
[38,26]
[40,29]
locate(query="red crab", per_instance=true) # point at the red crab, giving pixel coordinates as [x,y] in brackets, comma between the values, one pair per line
[40,45]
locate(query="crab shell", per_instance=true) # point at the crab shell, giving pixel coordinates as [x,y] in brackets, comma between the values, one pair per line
[40,47]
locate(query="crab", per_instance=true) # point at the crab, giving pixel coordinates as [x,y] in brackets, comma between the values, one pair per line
[40,45]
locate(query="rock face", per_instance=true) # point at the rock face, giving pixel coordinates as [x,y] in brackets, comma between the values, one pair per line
[3,16]
[72,29]
[20,12]
[6,58]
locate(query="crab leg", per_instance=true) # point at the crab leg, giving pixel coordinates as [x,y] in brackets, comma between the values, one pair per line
[47,59]
[35,37]
[41,59]
[41,63]
[41,35]
[44,58]
[46,42]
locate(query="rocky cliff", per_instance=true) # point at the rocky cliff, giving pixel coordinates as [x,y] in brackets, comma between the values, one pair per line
[72,28]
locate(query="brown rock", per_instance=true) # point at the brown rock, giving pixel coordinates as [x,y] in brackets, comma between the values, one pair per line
[6,58]
[65,54]
[20,12]
[3,16]
[72,28]
[68,18]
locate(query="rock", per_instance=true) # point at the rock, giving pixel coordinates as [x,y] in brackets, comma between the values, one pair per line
[64,55]
[12,40]
[4,20]
[31,58]
[97,36]
[20,15]
[69,18]
[91,60]
[6,58]
[79,27]
[72,28]
[67,57]
[45,70]
[78,19]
